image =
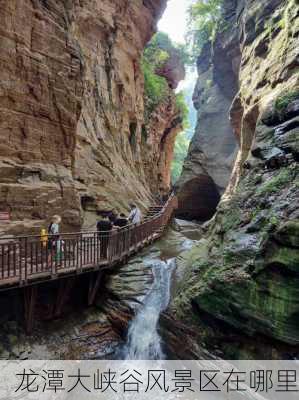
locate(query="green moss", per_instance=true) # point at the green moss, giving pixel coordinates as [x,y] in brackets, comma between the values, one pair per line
[288,234]
[285,256]
[211,272]
[274,221]
[284,100]
[273,300]
[255,213]
[282,23]
[267,305]
[277,182]
[231,218]
[230,259]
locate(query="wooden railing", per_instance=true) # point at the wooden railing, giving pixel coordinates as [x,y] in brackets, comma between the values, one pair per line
[29,259]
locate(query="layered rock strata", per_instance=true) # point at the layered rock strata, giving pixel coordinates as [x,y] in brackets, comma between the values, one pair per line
[212,151]
[244,274]
[72,128]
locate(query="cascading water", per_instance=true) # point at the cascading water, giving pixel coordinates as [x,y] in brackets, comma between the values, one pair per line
[143,342]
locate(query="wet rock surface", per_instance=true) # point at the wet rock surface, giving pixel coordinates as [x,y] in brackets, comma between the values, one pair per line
[241,280]
[213,148]
[74,137]
[90,332]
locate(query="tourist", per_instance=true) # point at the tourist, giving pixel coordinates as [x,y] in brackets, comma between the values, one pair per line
[54,243]
[122,240]
[121,221]
[135,215]
[104,227]
[112,215]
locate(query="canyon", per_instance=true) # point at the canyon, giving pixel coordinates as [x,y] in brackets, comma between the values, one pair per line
[241,279]
[75,141]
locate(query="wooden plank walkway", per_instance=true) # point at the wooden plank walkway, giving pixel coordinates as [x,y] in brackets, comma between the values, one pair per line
[25,261]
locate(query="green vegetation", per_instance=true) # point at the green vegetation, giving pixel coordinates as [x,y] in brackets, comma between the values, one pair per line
[188,114]
[163,42]
[182,108]
[180,152]
[284,100]
[277,182]
[157,90]
[155,56]
[205,20]
[158,50]
[231,218]
[155,87]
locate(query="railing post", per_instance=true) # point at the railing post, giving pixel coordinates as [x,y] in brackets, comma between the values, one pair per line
[64,289]
[94,284]
[30,294]
[20,261]
[82,250]
[25,269]
[94,250]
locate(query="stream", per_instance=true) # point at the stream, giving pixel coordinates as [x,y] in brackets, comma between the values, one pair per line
[143,340]
[131,319]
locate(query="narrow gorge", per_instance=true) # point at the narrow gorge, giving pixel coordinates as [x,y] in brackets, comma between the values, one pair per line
[74,137]
[241,279]
[90,111]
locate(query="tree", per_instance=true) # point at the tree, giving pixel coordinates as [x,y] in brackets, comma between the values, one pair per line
[182,108]
[156,88]
[205,20]
[180,152]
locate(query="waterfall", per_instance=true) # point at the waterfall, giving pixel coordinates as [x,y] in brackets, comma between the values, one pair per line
[143,341]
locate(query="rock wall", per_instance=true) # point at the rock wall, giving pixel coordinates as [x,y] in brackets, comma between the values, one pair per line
[212,151]
[243,276]
[72,111]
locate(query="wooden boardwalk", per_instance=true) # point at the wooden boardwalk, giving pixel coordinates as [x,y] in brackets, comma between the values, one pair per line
[25,261]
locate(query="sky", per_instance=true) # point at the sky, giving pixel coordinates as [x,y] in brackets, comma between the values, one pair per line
[174,20]
[174,23]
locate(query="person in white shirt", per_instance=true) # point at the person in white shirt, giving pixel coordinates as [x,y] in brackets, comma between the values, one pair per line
[135,215]
[54,241]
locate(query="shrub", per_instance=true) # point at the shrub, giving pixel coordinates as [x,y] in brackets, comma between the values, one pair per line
[180,152]
[155,86]
[205,20]
[155,55]
[182,109]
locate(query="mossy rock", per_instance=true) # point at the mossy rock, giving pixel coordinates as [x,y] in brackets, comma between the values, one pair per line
[282,109]
[277,182]
[284,256]
[267,305]
[231,219]
[283,101]
[288,234]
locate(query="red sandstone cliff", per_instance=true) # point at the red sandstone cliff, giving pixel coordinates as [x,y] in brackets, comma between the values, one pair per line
[72,111]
